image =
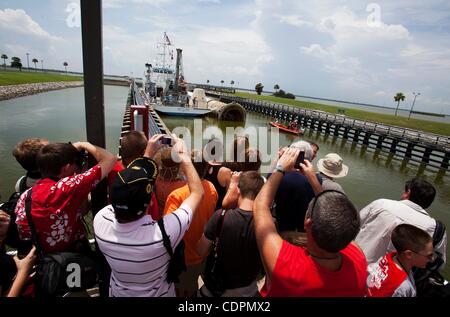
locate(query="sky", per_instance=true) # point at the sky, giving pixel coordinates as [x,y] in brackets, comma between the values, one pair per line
[359,51]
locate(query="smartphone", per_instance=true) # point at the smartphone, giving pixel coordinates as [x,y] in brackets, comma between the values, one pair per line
[300,159]
[24,248]
[166,140]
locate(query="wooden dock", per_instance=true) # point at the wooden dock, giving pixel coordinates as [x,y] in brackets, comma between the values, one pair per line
[155,123]
[428,149]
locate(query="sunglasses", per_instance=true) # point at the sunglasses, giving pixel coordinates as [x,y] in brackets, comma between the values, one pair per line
[430,256]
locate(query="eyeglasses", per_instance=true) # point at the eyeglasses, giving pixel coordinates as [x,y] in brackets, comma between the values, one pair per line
[430,256]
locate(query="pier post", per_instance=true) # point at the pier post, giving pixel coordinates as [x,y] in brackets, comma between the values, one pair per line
[327,127]
[345,136]
[356,135]
[445,161]
[426,155]
[92,44]
[393,148]
[380,142]
[91,31]
[409,150]
[336,130]
[366,138]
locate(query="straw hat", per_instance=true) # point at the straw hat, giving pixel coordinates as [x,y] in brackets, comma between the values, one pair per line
[331,165]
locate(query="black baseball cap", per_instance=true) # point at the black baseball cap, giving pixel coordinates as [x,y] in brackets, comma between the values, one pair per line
[132,188]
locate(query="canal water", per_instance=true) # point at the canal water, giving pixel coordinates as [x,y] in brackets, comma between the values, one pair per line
[59,116]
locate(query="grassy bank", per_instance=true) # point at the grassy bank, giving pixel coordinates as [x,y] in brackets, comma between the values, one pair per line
[424,125]
[17,78]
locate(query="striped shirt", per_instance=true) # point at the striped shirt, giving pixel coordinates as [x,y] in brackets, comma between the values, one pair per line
[135,251]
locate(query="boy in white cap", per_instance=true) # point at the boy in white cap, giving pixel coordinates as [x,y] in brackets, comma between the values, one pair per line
[331,167]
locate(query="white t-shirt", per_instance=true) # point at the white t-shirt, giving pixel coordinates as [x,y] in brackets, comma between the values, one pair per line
[379,219]
[135,251]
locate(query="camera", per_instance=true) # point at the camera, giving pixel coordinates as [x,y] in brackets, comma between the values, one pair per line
[81,158]
[300,159]
[166,140]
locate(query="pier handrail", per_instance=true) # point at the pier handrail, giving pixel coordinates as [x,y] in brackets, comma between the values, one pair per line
[426,138]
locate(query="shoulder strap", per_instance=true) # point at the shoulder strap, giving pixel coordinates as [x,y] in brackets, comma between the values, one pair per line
[23,184]
[438,233]
[166,240]
[34,235]
[219,232]
[220,224]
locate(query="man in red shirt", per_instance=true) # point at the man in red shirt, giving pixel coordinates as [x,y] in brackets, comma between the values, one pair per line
[330,265]
[57,197]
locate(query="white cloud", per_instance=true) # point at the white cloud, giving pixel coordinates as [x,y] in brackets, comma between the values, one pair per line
[18,21]
[114,4]
[315,50]
[209,1]
[294,20]
[324,48]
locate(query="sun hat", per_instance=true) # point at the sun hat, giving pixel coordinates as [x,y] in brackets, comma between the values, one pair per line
[331,165]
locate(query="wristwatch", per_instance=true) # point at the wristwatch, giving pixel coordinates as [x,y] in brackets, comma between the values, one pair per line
[279,168]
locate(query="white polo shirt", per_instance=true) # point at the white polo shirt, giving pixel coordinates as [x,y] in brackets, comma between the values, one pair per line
[379,219]
[135,251]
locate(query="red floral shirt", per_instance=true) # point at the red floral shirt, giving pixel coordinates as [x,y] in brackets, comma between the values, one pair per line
[56,211]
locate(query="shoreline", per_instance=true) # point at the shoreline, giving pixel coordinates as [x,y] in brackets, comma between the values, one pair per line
[14,91]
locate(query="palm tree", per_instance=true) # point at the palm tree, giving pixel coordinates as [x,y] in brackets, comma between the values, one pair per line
[5,57]
[276,87]
[35,61]
[232,83]
[222,81]
[259,88]
[398,97]
[65,66]
[207,81]
[16,62]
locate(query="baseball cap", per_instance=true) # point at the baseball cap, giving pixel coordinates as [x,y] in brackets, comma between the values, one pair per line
[132,188]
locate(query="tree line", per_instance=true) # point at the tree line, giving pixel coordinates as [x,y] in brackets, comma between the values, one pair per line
[16,62]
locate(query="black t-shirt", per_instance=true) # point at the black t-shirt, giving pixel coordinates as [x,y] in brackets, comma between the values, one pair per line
[239,262]
[292,200]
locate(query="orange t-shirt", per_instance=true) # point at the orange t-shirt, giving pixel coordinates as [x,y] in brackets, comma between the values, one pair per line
[201,217]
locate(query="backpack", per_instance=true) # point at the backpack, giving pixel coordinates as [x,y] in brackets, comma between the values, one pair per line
[58,273]
[12,237]
[177,263]
[429,282]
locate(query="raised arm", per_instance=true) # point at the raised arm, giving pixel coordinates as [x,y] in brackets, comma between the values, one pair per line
[268,240]
[24,268]
[105,159]
[153,145]
[180,153]
[308,170]
[232,196]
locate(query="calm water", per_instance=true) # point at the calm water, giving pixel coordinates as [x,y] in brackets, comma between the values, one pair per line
[59,116]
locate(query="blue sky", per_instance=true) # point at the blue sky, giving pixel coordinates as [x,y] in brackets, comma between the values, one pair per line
[351,50]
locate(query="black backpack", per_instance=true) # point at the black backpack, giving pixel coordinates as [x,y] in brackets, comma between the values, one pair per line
[12,237]
[429,282]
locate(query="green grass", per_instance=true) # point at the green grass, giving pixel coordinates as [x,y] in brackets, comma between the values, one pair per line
[17,78]
[423,125]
